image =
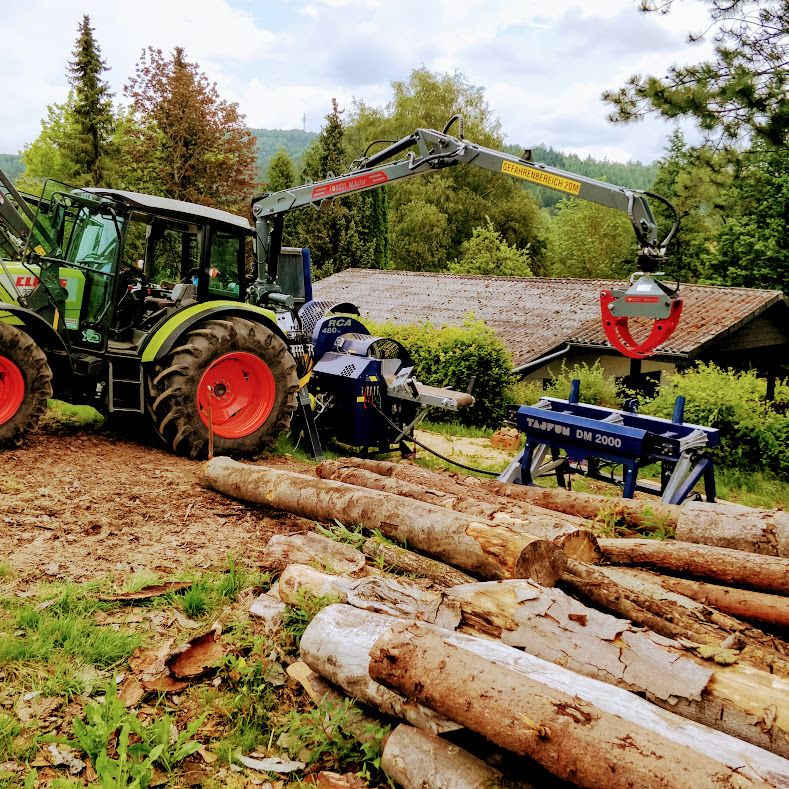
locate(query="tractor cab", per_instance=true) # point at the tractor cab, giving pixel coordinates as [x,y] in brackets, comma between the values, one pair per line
[119,263]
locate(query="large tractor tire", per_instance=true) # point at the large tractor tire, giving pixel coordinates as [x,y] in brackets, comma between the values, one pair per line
[25,385]
[233,378]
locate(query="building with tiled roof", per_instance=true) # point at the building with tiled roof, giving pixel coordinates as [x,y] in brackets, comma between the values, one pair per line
[543,321]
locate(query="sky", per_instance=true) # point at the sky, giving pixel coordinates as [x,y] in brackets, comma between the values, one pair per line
[542,63]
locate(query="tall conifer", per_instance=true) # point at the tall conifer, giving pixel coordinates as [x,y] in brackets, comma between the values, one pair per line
[92,107]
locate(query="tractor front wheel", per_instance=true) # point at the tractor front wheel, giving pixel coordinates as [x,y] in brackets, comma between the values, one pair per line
[25,385]
[234,379]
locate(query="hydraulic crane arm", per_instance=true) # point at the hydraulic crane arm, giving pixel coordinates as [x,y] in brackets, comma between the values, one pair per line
[427,150]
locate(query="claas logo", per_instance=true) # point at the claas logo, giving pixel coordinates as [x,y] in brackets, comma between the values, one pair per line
[31,281]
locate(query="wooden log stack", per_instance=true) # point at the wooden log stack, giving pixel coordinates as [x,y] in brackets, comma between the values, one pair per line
[605,662]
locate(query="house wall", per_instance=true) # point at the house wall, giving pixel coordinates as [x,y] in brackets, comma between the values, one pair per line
[614,365]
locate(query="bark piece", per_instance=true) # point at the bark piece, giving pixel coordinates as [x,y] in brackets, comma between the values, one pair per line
[579,729]
[197,656]
[147,592]
[569,533]
[735,526]
[488,551]
[377,594]
[340,651]
[759,607]
[311,548]
[634,512]
[265,608]
[416,759]
[739,700]
[738,568]
[409,562]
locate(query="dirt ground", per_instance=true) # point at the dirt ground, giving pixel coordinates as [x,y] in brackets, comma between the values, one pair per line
[92,504]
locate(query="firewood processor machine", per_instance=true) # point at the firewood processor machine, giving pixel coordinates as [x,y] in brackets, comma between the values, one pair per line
[565,437]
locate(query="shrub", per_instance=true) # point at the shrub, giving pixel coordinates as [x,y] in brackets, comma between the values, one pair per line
[753,434]
[596,387]
[450,355]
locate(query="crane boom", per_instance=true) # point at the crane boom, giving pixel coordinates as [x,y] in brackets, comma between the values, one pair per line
[427,150]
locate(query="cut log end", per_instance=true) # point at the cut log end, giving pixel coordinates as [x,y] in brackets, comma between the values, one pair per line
[541,561]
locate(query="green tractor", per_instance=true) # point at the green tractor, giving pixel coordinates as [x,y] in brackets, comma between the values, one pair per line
[138,304]
[143,304]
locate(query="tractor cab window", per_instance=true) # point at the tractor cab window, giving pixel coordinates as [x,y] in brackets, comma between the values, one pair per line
[94,240]
[92,246]
[226,266]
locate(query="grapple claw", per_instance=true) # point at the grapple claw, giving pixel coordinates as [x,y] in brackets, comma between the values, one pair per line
[618,333]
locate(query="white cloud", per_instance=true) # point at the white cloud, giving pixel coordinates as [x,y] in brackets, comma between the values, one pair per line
[543,66]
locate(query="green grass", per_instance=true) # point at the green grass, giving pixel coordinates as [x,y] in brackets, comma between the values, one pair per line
[752,488]
[455,429]
[47,636]
[68,417]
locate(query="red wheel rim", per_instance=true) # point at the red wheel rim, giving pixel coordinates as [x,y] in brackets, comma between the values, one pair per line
[12,389]
[236,394]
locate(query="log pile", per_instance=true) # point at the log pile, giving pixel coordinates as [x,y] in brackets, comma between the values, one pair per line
[506,621]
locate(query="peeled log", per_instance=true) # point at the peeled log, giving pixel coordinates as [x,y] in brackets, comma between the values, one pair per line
[739,568]
[568,533]
[581,730]
[409,562]
[415,759]
[636,595]
[339,650]
[634,512]
[284,549]
[380,595]
[735,526]
[739,700]
[765,609]
[487,551]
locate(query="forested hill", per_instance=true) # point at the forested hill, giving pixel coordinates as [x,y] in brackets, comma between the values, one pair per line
[633,175]
[11,165]
[294,142]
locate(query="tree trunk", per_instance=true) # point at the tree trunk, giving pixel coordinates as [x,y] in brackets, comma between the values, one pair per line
[340,651]
[764,609]
[567,532]
[504,551]
[406,561]
[634,512]
[646,603]
[415,759]
[285,549]
[579,729]
[739,568]
[380,595]
[744,702]
[734,526]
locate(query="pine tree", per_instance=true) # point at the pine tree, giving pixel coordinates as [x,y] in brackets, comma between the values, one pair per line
[349,231]
[92,106]
[741,92]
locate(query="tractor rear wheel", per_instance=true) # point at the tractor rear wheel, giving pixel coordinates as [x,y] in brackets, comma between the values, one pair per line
[25,384]
[232,378]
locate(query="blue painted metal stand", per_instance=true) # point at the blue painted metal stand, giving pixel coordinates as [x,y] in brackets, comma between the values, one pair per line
[575,432]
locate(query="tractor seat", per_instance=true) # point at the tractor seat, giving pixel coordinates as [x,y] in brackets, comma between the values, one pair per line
[154,303]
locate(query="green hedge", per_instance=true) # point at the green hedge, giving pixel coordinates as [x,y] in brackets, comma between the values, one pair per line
[449,356]
[596,387]
[754,434]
